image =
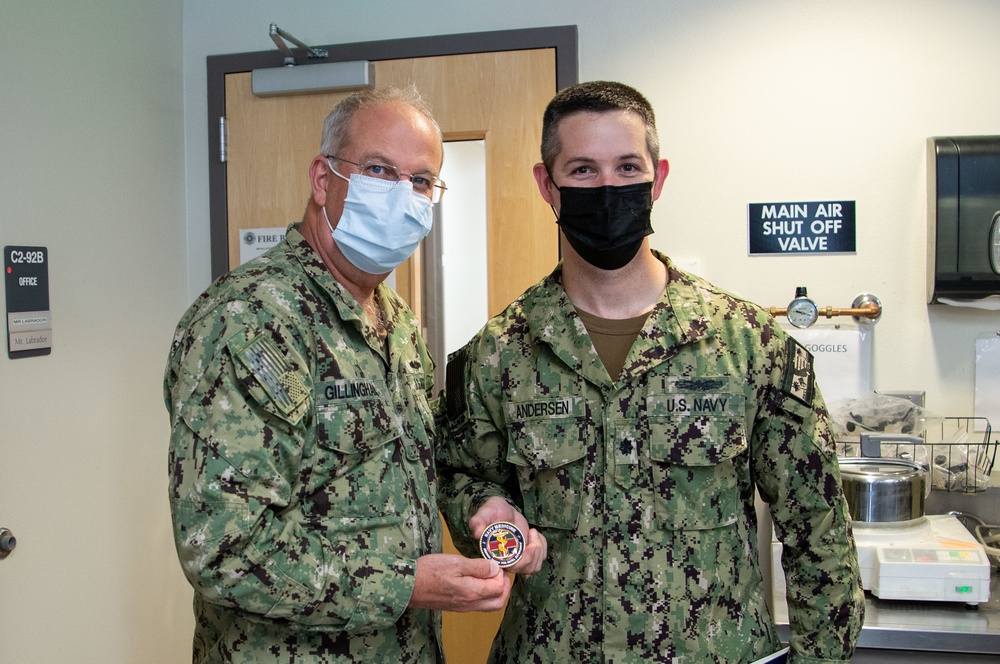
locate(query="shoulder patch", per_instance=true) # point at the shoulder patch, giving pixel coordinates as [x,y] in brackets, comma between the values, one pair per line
[799,380]
[276,375]
[455,385]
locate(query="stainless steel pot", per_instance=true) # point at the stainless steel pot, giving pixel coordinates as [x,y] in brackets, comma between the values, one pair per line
[883,490]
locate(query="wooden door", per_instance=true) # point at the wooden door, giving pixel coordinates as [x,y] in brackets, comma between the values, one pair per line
[498,97]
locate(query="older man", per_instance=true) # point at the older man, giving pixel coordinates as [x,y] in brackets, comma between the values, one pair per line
[302,482]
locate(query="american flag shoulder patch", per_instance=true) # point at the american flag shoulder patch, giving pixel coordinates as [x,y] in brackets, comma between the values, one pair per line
[275,373]
[799,380]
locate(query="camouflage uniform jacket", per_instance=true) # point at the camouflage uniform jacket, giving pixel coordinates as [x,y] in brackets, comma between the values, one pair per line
[644,487]
[302,483]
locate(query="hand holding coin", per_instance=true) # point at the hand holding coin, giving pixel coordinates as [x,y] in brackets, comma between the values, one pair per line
[503,530]
[502,542]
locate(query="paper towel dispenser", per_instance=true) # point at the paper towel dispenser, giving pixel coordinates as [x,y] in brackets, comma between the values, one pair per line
[963,214]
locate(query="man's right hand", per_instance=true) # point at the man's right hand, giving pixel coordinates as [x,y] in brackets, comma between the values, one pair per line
[448,582]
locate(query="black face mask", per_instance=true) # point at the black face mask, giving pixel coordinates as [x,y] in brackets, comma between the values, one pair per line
[605,225]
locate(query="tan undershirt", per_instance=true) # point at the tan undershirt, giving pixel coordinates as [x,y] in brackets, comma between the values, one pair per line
[612,338]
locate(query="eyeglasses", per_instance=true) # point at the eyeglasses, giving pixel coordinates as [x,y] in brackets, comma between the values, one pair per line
[430,186]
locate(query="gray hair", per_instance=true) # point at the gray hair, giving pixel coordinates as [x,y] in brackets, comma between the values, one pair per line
[596,97]
[336,127]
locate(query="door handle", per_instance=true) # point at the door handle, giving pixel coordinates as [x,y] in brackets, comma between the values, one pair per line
[7,542]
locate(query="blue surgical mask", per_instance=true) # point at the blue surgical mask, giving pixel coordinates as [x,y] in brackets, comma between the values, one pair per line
[382,222]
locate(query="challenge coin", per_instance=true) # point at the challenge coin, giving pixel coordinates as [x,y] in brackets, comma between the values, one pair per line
[502,542]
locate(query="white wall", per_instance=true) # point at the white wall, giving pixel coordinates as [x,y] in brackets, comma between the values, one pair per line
[91,167]
[764,101]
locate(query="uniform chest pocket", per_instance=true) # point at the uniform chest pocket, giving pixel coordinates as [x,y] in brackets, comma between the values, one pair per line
[696,461]
[549,455]
[355,472]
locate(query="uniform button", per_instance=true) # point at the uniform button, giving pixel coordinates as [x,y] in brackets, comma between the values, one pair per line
[411,453]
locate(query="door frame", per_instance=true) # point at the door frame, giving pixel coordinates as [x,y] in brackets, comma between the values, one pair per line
[563,39]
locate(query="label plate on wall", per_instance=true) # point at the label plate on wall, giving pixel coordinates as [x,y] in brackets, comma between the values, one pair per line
[818,227]
[29,320]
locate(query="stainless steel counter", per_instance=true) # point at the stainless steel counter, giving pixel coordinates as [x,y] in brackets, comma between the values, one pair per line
[924,626]
[930,626]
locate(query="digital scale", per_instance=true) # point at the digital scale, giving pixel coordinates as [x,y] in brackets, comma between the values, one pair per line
[933,558]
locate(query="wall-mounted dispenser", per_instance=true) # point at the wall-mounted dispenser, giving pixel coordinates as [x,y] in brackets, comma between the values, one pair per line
[963,214]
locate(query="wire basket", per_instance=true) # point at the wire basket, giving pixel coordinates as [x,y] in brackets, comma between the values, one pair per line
[958,452]
[961,454]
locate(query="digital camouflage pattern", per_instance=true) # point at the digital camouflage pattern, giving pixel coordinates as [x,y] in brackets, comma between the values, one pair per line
[644,488]
[302,485]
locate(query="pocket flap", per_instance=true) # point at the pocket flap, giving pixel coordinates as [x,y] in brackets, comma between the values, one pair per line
[696,441]
[547,433]
[352,418]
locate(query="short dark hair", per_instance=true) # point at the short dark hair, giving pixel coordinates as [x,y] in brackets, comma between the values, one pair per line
[597,97]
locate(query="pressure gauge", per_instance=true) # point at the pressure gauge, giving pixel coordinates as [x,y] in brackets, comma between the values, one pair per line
[802,312]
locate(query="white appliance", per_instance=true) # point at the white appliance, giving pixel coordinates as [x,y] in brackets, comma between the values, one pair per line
[932,558]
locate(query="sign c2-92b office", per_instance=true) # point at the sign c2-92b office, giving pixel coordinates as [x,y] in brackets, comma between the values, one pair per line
[29,321]
[821,227]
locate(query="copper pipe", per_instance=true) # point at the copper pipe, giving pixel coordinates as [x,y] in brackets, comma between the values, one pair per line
[872,311]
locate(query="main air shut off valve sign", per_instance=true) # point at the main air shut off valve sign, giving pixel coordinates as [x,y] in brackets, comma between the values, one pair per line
[29,321]
[822,227]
